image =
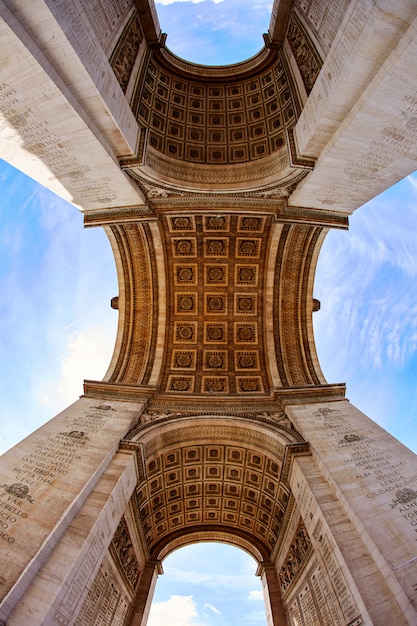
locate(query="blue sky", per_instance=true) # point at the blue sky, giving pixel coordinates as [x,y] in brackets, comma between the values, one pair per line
[58,328]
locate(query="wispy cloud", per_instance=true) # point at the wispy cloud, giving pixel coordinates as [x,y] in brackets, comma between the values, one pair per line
[211,608]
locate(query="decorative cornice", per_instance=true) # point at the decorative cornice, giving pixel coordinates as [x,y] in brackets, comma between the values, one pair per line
[214,72]
[118,215]
[113,391]
[137,449]
[311,394]
[290,450]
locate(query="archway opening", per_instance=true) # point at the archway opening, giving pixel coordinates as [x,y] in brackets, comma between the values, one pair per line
[368,309]
[214,32]
[208,584]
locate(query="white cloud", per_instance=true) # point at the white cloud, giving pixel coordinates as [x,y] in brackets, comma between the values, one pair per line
[255,595]
[212,608]
[177,611]
[87,355]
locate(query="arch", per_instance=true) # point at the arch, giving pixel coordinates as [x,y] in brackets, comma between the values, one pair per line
[215,478]
[218,576]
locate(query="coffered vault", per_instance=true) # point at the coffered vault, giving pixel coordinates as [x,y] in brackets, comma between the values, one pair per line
[216,187]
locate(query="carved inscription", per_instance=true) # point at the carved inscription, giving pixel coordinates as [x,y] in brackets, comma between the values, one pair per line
[39,139]
[317,603]
[50,461]
[375,467]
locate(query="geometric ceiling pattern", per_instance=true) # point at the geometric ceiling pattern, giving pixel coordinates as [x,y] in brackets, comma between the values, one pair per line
[216,271]
[216,120]
[222,486]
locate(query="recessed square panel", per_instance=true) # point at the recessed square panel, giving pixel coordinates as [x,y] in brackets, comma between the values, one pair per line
[181,384]
[186,303]
[229,517]
[193,490]
[213,472]
[196,104]
[246,522]
[215,303]
[233,490]
[172,459]
[215,332]
[216,246]
[248,247]
[173,477]
[192,455]
[253,223]
[234,474]
[193,503]
[235,103]
[246,332]
[255,460]
[234,455]
[238,153]
[215,384]
[194,517]
[212,489]
[176,113]
[246,304]
[183,359]
[195,153]
[259,149]
[193,473]
[215,92]
[184,246]
[176,521]
[231,503]
[213,454]
[215,274]
[216,222]
[216,135]
[195,134]
[185,332]
[214,360]
[185,274]
[217,154]
[248,360]
[249,385]
[174,148]
[246,275]
[182,223]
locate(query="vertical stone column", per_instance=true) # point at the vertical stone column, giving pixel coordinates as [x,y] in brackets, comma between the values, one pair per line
[144,593]
[360,485]
[46,480]
[274,609]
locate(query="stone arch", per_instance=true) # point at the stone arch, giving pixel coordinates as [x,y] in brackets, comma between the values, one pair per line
[208,476]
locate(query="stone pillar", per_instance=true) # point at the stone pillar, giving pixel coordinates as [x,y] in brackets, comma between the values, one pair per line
[144,593]
[274,609]
[47,482]
[357,495]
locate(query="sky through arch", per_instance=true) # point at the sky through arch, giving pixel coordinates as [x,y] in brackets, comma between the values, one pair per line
[214,32]
[208,584]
